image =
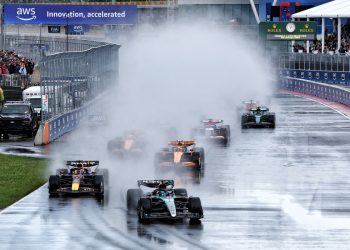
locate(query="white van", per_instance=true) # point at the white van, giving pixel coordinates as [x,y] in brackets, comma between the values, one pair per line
[33,95]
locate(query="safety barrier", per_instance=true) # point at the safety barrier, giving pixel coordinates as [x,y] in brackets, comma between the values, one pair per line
[35,47]
[22,81]
[329,92]
[65,123]
[70,84]
[318,76]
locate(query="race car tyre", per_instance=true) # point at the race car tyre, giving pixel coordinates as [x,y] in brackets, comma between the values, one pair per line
[54,184]
[201,155]
[182,192]
[99,185]
[104,172]
[132,197]
[144,205]
[227,133]
[195,205]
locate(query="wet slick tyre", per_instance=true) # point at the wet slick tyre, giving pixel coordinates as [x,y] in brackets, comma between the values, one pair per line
[144,204]
[195,206]
[182,192]
[99,186]
[54,182]
[132,198]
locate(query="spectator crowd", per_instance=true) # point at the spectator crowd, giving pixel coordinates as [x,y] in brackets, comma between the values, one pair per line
[331,41]
[12,63]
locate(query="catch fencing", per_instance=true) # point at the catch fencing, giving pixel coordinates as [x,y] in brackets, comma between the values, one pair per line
[71,82]
[325,68]
[35,47]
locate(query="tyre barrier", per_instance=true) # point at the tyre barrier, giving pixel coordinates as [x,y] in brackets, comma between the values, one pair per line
[332,93]
[336,77]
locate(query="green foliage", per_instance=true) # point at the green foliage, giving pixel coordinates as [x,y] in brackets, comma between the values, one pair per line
[19,176]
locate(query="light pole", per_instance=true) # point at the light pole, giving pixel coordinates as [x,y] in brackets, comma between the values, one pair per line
[2,9]
[67,48]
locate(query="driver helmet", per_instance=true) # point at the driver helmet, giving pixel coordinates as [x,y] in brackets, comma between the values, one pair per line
[162,186]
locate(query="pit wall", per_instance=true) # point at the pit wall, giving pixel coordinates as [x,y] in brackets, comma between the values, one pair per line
[334,93]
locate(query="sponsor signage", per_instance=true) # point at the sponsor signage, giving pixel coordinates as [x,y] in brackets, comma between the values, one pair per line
[54,29]
[45,103]
[77,29]
[63,14]
[288,30]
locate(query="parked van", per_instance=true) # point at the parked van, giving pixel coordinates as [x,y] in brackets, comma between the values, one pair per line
[33,95]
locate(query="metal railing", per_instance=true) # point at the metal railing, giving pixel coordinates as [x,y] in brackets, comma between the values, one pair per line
[22,81]
[317,62]
[35,46]
[72,79]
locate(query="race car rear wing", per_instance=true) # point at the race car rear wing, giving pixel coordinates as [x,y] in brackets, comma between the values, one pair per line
[84,163]
[181,143]
[261,108]
[214,121]
[154,183]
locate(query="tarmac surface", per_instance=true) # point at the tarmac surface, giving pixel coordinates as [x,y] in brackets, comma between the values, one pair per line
[287,188]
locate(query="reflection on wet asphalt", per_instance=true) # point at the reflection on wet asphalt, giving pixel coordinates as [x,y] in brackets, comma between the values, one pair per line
[21,145]
[287,188]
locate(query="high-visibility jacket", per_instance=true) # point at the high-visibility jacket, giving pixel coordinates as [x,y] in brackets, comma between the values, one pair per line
[2,97]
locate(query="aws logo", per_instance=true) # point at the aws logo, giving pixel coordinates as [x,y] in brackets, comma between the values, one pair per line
[26,14]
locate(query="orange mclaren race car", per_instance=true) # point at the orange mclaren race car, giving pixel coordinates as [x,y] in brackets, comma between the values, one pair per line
[131,145]
[180,154]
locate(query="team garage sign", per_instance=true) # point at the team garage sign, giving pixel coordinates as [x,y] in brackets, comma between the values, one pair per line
[71,14]
[288,30]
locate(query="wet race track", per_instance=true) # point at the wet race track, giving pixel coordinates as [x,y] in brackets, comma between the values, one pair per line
[287,188]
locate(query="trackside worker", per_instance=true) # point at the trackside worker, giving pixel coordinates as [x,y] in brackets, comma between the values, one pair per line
[2,97]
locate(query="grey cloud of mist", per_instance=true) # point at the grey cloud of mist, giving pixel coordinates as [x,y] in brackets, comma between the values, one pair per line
[178,74]
[172,76]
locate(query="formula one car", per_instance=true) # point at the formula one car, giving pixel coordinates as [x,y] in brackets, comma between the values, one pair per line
[164,202]
[79,177]
[180,154]
[258,117]
[131,145]
[212,129]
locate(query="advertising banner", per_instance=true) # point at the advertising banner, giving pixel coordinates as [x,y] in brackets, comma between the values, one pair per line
[69,14]
[288,30]
[78,29]
[45,103]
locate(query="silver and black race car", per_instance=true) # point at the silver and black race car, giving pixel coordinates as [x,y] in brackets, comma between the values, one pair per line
[79,177]
[259,117]
[163,202]
[212,129]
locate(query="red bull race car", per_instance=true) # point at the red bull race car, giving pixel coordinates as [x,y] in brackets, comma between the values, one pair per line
[79,177]
[163,201]
[213,130]
[180,155]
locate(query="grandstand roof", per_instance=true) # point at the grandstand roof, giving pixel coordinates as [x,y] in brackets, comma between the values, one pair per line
[334,9]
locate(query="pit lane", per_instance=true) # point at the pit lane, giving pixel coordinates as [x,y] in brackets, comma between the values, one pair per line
[286,188]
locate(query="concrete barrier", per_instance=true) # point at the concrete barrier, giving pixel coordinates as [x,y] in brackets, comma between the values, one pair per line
[332,77]
[334,93]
